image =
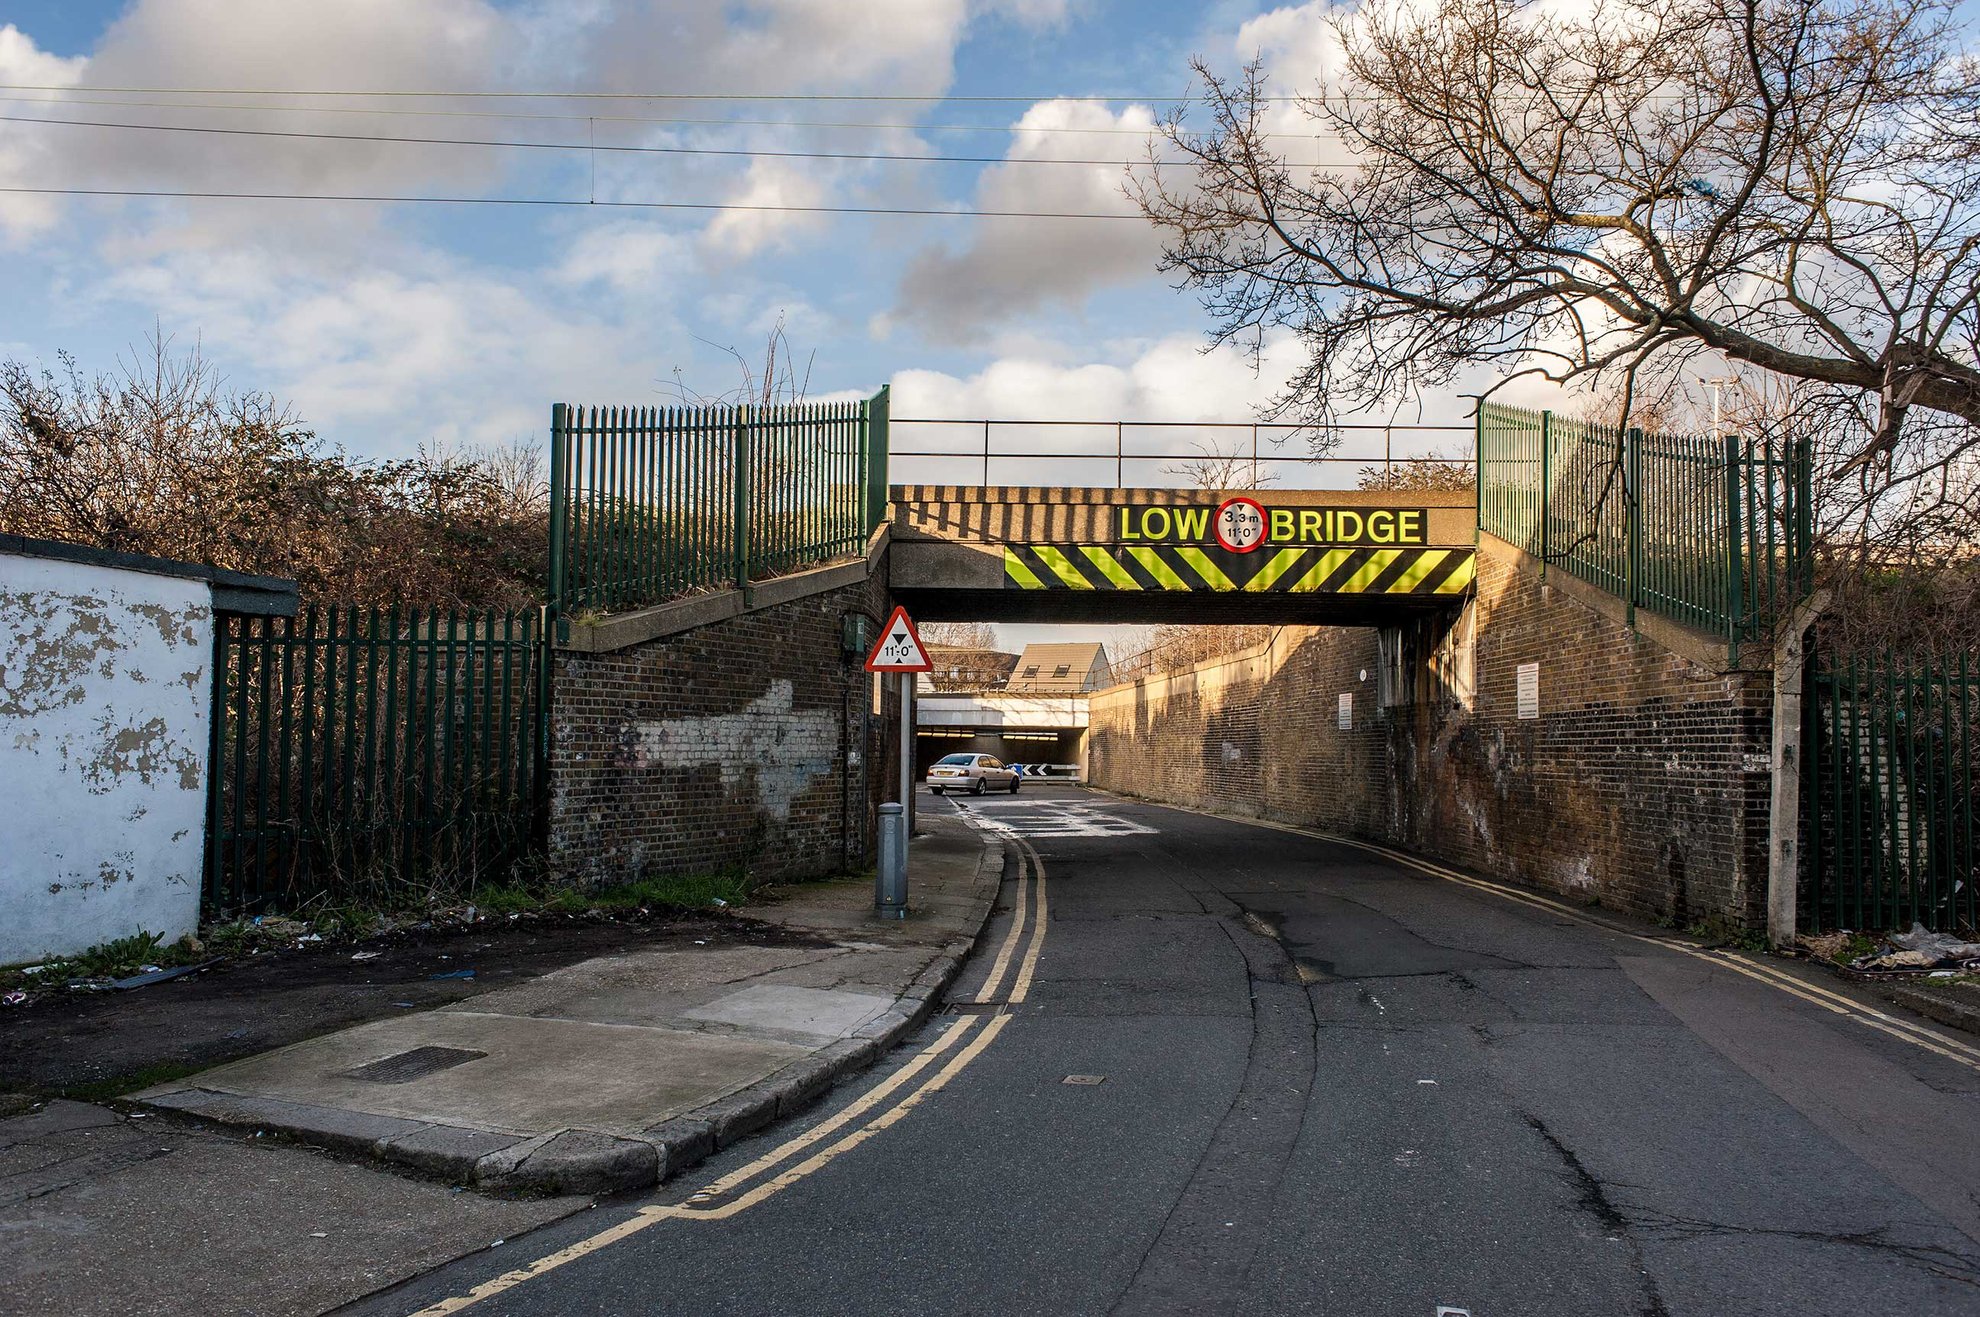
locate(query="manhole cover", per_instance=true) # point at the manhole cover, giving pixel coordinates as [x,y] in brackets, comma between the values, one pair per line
[1084,1079]
[416,1064]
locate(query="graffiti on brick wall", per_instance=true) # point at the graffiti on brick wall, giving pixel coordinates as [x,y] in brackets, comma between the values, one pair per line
[782,747]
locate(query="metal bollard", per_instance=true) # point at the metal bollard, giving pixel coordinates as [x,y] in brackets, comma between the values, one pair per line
[890,883]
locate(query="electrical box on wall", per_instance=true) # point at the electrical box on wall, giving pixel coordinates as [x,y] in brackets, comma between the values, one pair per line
[855,635]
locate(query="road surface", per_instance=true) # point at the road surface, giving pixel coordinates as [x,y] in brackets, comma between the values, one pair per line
[1221,1067]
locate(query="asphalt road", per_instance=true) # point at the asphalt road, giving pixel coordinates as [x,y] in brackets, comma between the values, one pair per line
[1328,1083]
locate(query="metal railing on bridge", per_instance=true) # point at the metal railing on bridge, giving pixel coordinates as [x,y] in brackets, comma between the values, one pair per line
[1137,454]
[1711,531]
[647,503]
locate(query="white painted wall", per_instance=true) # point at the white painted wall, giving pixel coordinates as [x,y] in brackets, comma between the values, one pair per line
[105,682]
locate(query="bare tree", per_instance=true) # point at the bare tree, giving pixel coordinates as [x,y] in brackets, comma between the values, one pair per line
[960,635]
[1171,647]
[1436,473]
[1214,468]
[780,380]
[1783,183]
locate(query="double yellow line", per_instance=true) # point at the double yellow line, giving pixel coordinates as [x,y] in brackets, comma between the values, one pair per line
[879,1109]
[1837,1003]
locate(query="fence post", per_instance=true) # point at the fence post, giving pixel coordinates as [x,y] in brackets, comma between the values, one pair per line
[876,460]
[560,444]
[739,455]
[1120,448]
[1735,561]
[1804,521]
[1633,510]
[216,760]
[1546,490]
[1478,462]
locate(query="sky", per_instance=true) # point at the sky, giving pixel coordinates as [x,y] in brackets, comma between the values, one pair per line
[391,325]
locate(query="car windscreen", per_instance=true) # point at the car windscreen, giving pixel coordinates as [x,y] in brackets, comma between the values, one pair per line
[958,760]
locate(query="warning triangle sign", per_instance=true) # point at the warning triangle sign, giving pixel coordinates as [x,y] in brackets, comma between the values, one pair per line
[900,648]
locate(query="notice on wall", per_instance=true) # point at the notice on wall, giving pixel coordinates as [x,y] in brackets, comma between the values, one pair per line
[1347,710]
[1528,677]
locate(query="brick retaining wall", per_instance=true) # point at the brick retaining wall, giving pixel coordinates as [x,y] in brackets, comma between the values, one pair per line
[746,741]
[1642,785]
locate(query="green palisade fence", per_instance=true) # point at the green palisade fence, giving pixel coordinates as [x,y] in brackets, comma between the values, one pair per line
[1890,746]
[648,503]
[366,752]
[1711,532]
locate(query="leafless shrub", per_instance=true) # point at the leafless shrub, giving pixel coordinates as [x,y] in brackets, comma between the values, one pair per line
[161,458]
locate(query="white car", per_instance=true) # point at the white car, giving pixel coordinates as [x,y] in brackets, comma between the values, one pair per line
[975,774]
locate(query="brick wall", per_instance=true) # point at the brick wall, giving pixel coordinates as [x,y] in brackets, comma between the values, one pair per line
[1642,785]
[748,742]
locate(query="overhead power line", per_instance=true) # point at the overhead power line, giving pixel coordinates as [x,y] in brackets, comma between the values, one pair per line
[726,122]
[667,96]
[578,202]
[581,146]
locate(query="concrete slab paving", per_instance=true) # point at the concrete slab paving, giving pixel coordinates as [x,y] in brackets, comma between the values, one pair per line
[103,1215]
[626,1068]
[779,1008]
[537,1075]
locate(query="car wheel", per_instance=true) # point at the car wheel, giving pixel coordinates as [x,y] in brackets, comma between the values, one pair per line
[934,791]
[1014,784]
[976,787]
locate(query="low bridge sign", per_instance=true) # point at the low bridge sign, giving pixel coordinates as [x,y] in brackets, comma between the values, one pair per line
[1324,555]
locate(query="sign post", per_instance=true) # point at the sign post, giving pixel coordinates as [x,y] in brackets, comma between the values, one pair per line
[899,649]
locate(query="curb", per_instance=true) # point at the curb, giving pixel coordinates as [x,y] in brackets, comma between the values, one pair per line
[576,1161]
[1953,1014]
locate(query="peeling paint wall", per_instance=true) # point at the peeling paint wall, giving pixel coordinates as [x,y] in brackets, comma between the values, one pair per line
[105,682]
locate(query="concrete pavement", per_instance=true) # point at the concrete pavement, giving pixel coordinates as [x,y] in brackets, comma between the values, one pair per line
[107,1213]
[1252,1071]
[619,1072]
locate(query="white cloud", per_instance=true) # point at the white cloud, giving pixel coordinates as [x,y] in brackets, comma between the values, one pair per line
[25,159]
[632,258]
[1010,266]
[736,234]
[1172,379]
[392,356]
[1042,14]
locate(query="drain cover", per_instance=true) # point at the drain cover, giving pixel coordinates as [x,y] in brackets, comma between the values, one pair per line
[416,1064]
[976,1008]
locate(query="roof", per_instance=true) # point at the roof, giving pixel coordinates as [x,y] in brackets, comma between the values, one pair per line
[1067,668]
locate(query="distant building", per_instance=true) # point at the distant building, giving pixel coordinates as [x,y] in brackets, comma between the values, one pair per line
[958,669]
[1032,711]
[1061,670]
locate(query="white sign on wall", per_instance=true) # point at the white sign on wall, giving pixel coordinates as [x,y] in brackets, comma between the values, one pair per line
[1528,677]
[1347,710]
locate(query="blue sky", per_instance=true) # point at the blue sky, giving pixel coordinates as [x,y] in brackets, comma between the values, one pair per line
[388,326]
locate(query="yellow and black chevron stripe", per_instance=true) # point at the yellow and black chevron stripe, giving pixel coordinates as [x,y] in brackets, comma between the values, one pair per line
[1363,570]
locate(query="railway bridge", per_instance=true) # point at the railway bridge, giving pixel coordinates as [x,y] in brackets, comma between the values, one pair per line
[1567,680]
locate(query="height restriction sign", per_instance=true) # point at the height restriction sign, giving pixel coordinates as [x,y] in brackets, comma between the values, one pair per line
[900,648]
